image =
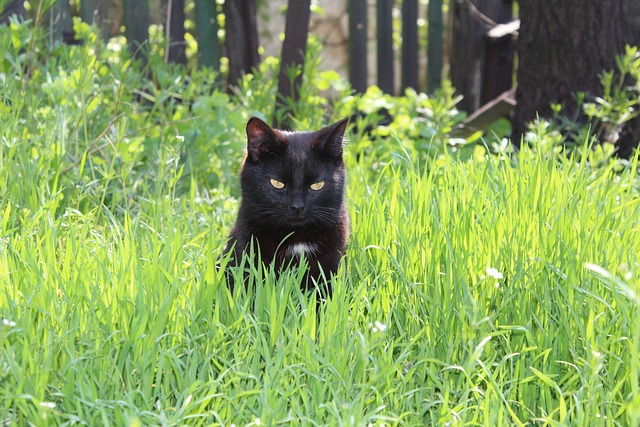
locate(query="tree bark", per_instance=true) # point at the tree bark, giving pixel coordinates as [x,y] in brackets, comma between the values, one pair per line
[242,37]
[563,47]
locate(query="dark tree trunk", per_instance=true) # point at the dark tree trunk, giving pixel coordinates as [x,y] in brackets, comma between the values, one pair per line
[471,19]
[358,70]
[175,32]
[563,46]
[242,37]
[294,49]
[13,7]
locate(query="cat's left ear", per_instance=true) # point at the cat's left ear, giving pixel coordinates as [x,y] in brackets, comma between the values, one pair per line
[331,138]
[262,139]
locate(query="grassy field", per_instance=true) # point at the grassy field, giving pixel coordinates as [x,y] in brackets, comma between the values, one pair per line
[499,291]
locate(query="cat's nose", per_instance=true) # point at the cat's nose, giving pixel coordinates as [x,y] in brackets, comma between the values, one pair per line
[297,208]
[296,204]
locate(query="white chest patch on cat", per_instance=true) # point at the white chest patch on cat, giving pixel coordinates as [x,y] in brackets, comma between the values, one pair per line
[298,249]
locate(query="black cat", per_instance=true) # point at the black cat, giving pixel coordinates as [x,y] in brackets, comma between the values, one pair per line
[293,200]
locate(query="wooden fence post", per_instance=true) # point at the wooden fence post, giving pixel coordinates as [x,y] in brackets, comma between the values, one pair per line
[294,49]
[242,37]
[136,21]
[209,51]
[174,28]
[60,23]
[94,12]
[410,44]
[471,21]
[385,46]
[12,7]
[358,67]
[434,46]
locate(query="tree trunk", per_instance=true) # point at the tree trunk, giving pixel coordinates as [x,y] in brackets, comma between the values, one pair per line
[563,46]
[242,37]
[175,32]
[294,49]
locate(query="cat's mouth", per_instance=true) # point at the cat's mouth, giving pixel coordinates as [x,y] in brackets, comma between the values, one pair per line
[298,222]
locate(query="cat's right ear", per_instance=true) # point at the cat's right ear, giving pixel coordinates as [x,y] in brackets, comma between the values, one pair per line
[261,139]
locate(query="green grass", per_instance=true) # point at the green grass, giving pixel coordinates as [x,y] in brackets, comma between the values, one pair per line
[494,292]
[126,320]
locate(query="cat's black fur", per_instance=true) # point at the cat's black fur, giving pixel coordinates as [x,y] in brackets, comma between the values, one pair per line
[294,220]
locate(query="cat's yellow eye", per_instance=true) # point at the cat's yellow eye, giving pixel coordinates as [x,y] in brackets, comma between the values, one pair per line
[277,184]
[317,185]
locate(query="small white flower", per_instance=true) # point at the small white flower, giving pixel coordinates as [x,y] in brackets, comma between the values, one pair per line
[9,323]
[49,405]
[257,421]
[378,326]
[180,138]
[494,273]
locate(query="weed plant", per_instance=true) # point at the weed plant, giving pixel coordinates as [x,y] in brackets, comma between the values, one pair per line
[476,290]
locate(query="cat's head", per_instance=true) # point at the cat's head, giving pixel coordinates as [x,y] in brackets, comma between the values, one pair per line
[293,179]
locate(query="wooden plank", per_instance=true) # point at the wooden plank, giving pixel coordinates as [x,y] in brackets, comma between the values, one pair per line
[485,116]
[510,29]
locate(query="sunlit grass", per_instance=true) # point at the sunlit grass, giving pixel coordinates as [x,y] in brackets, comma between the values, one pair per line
[469,295]
[491,292]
